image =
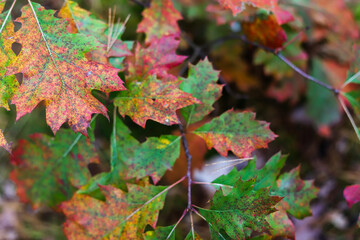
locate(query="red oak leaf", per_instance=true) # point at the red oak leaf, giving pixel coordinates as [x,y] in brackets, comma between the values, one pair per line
[160,20]
[122,216]
[238,132]
[56,71]
[157,58]
[153,99]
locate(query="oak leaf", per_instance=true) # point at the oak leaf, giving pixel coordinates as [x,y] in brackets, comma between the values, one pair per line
[156,58]
[121,216]
[240,211]
[238,132]
[296,192]
[160,19]
[56,71]
[153,99]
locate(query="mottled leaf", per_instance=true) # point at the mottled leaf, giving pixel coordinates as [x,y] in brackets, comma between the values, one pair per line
[157,58]
[201,84]
[297,193]
[3,142]
[264,30]
[160,19]
[281,225]
[238,132]
[352,194]
[265,177]
[151,158]
[153,99]
[56,71]
[242,208]
[48,170]
[121,216]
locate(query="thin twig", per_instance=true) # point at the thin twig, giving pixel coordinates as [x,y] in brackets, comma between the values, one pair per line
[305,75]
[192,225]
[177,223]
[352,78]
[273,51]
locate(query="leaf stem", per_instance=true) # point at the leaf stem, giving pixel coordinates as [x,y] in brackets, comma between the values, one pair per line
[177,223]
[153,198]
[352,78]
[352,121]
[192,225]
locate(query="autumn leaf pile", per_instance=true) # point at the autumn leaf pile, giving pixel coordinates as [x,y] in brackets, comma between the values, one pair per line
[66,56]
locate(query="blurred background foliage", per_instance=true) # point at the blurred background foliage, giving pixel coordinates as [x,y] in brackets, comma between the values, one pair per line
[311,127]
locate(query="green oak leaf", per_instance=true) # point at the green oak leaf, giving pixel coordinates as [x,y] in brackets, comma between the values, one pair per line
[243,208]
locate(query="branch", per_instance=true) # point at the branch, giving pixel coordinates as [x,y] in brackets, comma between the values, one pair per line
[305,75]
[188,158]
